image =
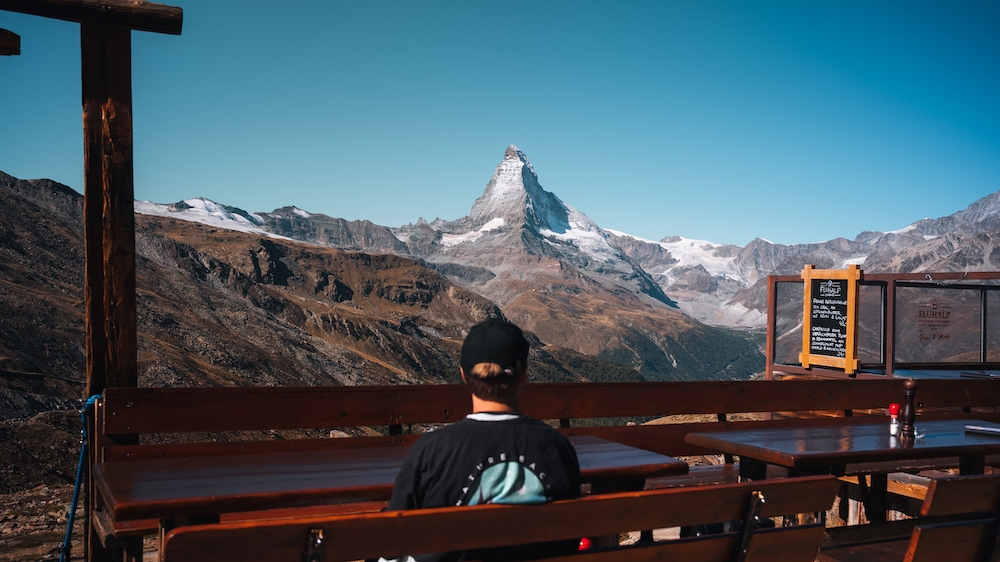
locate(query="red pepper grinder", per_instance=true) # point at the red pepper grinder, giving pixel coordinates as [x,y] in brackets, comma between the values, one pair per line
[909,409]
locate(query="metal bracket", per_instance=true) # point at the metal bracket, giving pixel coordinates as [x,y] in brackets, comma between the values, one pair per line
[314,546]
[750,523]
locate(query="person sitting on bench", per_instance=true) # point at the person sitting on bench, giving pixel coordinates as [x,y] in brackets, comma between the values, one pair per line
[495,454]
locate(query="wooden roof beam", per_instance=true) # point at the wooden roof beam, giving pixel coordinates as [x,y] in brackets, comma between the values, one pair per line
[10,43]
[133,14]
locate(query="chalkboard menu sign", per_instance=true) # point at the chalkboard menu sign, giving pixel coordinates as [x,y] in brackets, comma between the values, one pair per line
[829,320]
[828,325]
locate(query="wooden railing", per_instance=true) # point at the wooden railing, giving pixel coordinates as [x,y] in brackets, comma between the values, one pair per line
[580,408]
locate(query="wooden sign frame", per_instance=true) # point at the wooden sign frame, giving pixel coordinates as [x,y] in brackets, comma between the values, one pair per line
[810,356]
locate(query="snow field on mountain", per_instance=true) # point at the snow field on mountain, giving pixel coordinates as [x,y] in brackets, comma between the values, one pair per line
[689,253]
[208,212]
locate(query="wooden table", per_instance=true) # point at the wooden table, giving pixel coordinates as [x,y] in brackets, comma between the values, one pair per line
[829,449]
[162,488]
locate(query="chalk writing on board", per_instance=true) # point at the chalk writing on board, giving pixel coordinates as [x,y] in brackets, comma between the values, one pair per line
[828,323]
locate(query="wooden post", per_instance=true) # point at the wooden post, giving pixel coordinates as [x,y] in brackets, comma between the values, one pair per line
[108,207]
[889,331]
[806,316]
[109,219]
[770,345]
[109,224]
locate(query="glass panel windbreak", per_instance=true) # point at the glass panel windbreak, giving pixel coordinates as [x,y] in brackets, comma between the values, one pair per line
[788,322]
[993,325]
[870,329]
[936,325]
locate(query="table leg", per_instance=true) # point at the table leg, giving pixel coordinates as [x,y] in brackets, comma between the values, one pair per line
[820,516]
[972,464]
[132,547]
[752,469]
[875,497]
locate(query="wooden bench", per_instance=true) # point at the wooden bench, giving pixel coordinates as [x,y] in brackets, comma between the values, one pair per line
[391,534]
[958,522]
[130,421]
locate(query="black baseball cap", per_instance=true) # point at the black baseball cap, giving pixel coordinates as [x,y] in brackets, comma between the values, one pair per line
[495,341]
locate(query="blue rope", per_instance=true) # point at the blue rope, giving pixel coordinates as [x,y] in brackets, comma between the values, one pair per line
[88,406]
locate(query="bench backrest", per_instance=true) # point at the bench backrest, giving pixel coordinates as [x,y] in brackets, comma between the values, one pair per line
[969,507]
[125,411]
[434,530]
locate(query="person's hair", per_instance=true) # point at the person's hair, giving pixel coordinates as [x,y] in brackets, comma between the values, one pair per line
[488,381]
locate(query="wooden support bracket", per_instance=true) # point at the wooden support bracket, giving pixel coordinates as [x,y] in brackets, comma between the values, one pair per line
[10,43]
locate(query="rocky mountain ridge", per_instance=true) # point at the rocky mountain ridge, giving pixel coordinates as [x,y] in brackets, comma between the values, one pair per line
[520,245]
[545,264]
[516,229]
[727,285]
[721,285]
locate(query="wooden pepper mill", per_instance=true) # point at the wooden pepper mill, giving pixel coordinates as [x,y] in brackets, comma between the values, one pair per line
[909,408]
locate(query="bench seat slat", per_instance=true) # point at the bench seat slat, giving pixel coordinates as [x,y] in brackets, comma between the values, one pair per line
[139,527]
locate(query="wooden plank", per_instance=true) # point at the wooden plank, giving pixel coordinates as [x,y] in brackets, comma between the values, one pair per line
[140,527]
[664,439]
[159,410]
[170,410]
[208,449]
[444,403]
[10,43]
[790,544]
[890,551]
[595,400]
[494,525]
[962,494]
[132,14]
[902,483]
[954,542]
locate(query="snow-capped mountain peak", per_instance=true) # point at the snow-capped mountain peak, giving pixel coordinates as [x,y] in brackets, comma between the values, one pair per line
[514,198]
[514,195]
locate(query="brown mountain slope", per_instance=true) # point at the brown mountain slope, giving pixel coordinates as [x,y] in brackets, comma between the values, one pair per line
[221,307]
[278,312]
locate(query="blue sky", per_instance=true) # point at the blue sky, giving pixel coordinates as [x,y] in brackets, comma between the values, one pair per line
[794,121]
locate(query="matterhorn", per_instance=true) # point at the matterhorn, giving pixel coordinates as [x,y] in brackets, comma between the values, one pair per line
[517,231]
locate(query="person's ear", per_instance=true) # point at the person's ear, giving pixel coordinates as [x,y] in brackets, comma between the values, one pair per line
[461,370]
